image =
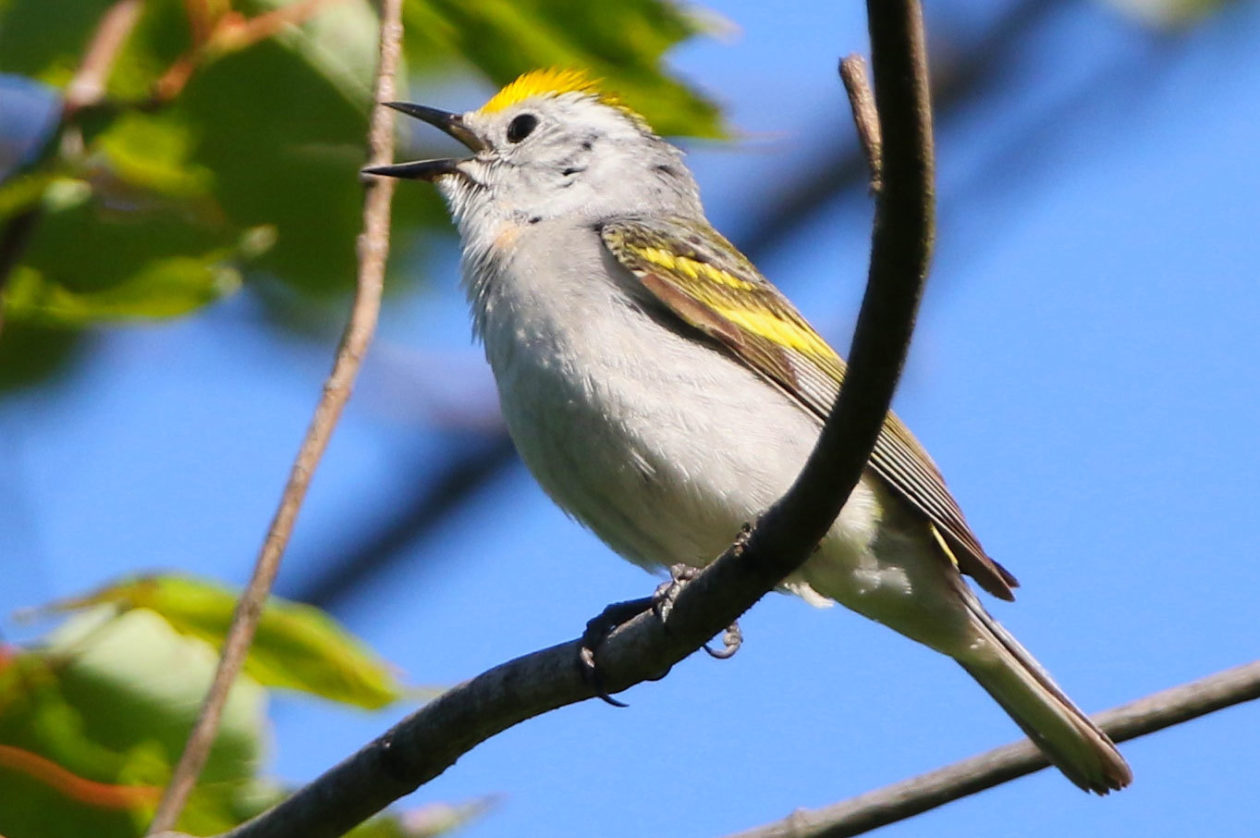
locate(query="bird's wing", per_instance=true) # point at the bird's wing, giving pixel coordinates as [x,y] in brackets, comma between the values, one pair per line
[699,277]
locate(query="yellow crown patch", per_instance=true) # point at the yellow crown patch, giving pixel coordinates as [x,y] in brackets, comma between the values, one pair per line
[553,82]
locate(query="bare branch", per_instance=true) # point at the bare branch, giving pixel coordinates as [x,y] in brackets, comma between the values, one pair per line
[87,88]
[865,117]
[919,794]
[373,248]
[900,252]
[960,81]
[430,740]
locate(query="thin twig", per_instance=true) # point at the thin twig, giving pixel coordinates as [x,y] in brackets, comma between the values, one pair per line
[430,740]
[373,248]
[919,794]
[88,85]
[960,81]
[865,117]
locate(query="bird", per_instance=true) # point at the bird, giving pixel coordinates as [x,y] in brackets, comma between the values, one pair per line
[664,393]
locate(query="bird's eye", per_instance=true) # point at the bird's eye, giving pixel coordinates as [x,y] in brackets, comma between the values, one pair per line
[521,127]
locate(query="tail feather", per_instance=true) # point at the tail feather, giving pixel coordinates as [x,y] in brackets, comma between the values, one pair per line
[1068,737]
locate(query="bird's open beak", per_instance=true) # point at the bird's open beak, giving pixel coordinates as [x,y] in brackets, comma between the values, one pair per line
[451,123]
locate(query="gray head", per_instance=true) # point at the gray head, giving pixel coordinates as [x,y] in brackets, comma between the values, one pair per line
[551,145]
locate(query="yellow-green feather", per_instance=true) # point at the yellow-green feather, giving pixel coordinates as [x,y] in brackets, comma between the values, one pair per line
[706,282]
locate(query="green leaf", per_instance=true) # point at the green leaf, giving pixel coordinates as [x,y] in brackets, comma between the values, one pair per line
[147,216]
[339,44]
[296,646]
[622,43]
[45,40]
[95,717]
[152,153]
[149,240]
[136,679]
[164,288]
[32,354]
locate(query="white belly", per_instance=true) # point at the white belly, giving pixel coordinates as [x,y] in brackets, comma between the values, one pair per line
[665,448]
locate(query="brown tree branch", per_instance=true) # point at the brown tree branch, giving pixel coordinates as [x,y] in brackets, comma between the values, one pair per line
[430,740]
[907,798]
[373,248]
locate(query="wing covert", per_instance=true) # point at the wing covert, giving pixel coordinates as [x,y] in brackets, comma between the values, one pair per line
[707,283]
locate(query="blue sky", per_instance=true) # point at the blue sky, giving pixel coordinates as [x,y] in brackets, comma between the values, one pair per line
[1083,374]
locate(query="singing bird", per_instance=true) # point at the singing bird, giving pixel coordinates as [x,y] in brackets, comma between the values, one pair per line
[663,392]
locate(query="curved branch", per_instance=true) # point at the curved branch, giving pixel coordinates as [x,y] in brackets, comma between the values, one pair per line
[919,794]
[373,248]
[956,84]
[426,743]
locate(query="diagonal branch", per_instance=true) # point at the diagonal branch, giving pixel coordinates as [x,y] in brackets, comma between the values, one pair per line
[373,248]
[87,88]
[907,798]
[430,740]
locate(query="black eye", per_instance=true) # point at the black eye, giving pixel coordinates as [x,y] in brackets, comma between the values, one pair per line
[520,128]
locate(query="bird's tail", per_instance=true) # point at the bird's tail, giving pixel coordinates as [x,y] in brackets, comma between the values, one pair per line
[1027,693]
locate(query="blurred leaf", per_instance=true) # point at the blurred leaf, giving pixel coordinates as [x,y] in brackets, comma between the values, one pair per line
[150,152]
[137,679]
[24,192]
[45,40]
[150,211]
[31,354]
[95,718]
[339,43]
[622,43]
[296,646]
[164,288]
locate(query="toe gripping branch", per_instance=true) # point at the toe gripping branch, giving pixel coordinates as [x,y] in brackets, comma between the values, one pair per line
[660,603]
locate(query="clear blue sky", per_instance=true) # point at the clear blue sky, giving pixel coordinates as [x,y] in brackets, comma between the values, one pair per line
[1084,374]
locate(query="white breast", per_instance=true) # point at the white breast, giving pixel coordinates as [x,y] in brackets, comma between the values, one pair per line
[659,444]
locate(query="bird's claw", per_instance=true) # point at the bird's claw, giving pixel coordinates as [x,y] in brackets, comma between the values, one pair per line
[660,603]
[667,594]
[597,629]
[732,639]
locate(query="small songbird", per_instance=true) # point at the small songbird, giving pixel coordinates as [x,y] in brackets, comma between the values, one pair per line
[664,393]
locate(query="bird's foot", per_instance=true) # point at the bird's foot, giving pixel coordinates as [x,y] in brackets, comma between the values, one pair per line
[663,602]
[732,639]
[660,603]
[597,629]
